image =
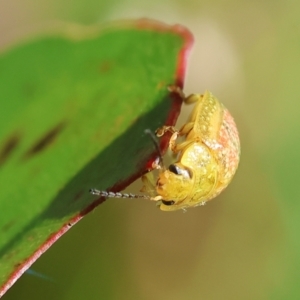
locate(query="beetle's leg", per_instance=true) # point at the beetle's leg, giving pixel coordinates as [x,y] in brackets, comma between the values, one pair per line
[148,184]
[186,128]
[193,98]
[189,99]
[164,129]
[176,89]
[172,141]
[178,147]
[156,198]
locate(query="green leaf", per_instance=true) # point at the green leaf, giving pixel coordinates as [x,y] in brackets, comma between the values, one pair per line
[73,117]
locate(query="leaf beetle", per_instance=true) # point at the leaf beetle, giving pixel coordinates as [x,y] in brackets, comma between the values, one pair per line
[207,158]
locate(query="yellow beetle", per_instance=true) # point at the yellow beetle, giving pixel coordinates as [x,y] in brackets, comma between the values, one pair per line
[207,157]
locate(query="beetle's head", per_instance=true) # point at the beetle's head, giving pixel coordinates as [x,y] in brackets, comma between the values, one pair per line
[174,184]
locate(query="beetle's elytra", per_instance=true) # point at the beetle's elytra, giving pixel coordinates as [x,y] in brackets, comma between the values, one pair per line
[208,156]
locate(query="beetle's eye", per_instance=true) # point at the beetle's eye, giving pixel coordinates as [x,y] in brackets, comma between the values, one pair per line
[186,172]
[168,203]
[175,169]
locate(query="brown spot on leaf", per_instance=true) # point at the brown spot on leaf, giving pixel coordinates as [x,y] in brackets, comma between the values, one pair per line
[105,66]
[8,147]
[77,196]
[8,225]
[45,141]
[17,265]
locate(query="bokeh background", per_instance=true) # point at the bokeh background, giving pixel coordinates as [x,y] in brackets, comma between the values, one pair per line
[246,243]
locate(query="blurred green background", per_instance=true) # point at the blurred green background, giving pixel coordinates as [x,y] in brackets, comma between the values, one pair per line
[246,243]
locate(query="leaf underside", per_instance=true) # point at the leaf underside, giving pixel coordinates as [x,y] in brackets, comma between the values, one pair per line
[73,117]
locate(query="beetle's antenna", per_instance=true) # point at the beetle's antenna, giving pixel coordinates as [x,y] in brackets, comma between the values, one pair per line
[155,142]
[117,194]
[160,164]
